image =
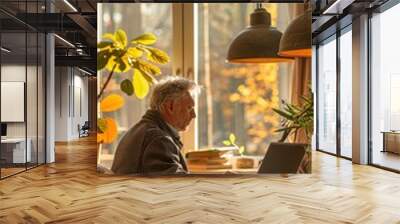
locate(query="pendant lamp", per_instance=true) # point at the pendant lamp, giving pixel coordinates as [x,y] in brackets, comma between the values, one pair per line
[296,40]
[258,43]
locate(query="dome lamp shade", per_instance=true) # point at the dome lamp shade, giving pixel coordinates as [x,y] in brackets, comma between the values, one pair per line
[296,40]
[258,43]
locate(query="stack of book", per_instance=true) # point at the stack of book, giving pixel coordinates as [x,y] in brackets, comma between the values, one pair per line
[208,159]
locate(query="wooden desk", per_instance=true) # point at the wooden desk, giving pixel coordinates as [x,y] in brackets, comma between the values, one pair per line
[224,171]
[391,141]
[13,150]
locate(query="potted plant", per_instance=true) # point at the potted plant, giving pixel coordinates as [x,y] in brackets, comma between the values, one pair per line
[117,54]
[297,125]
[241,162]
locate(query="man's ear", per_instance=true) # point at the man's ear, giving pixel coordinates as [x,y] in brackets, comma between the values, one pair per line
[168,106]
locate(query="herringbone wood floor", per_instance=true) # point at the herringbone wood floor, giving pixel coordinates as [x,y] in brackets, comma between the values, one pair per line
[70,191]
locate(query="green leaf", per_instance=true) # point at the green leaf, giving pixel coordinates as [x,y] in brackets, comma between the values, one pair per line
[158,56]
[226,142]
[102,59]
[284,129]
[140,84]
[147,67]
[146,39]
[120,38]
[283,114]
[104,44]
[232,138]
[127,87]
[306,99]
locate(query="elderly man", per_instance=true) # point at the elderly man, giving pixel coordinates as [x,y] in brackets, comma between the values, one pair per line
[153,146]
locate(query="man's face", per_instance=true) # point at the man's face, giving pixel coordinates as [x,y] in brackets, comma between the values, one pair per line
[182,112]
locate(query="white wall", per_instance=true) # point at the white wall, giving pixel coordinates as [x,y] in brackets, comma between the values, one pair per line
[33,127]
[16,73]
[71,102]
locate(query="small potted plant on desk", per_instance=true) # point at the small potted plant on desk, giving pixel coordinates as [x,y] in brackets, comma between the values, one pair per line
[297,125]
[241,162]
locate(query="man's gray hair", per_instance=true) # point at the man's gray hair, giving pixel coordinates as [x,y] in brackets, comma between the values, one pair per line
[171,88]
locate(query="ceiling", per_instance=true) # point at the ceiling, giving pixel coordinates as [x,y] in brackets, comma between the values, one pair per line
[332,15]
[74,21]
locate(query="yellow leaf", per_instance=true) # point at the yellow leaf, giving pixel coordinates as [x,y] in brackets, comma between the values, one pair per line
[110,134]
[120,38]
[134,52]
[104,45]
[150,79]
[241,150]
[146,39]
[234,97]
[147,67]
[109,36]
[122,64]
[226,142]
[232,138]
[111,103]
[140,84]
[158,56]
[99,137]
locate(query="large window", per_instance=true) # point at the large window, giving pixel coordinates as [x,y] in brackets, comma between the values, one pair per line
[385,89]
[327,96]
[346,93]
[236,98]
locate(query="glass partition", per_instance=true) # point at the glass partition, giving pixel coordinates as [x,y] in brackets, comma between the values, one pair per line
[327,96]
[31,98]
[13,104]
[22,90]
[41,96]
[346,93]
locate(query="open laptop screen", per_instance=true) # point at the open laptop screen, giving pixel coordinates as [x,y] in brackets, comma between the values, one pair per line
[283,158]
[3,129]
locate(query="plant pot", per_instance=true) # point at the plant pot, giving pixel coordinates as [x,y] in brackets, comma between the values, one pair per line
[244,163]
[305,165]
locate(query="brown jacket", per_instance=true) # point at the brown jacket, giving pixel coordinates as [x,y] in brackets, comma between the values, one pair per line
[149,147]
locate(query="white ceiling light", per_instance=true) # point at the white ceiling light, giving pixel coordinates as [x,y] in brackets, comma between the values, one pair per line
[70,5]
[5,50]
[84,71]
[337,7]
[65,41]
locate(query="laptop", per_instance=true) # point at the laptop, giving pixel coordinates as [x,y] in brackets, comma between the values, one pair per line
[282,158]
[3,131]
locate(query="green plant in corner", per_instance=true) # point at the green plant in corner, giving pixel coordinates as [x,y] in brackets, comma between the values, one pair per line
[231,141]
[297,118]
[118,55]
